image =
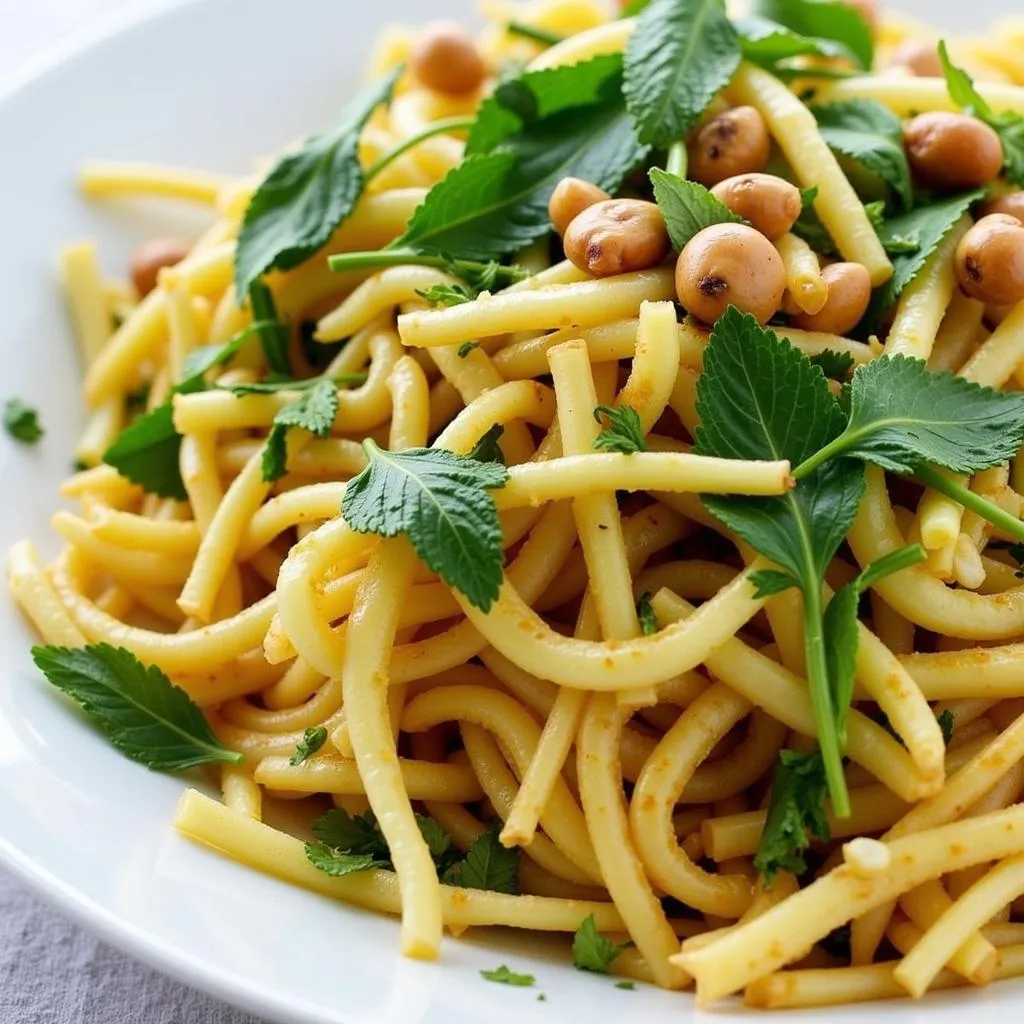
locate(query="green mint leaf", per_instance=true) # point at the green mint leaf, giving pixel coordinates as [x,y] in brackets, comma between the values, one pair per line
[143,714]
[352,833]
[796,812]
[273,334]
[487,865]
[645,615]
[769,582]
[312,740]
[872,137]
[928,226]
[21,421]
[440,501]
[945,721]
[445,295]
[766,42]
[1009,125]
[333,862]
[627,986]
[439,843]
[146,452]
[833,364]
[903,415]
[466,347]
[823,19]
[840,626]
[530,134]
[687,207]
[623,432]
[314,410]
[307,193]
[200,361]
[591,951]
[504,976]
[487,449]
[681,54]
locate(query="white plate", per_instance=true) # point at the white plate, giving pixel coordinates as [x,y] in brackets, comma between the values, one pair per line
[211,84]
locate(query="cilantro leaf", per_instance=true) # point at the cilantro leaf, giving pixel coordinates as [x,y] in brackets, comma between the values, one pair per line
[681,54]
[687,207]
[439,500]
[624,432]
[307,193]
[903,415]
[312,740]
[928,226]
[487,448]
[504,976]
[529,135]
[143,714]
[760,398]
[833,364]
[146,452]
[336,863]
[796,812]
[445,295]
[1009,125]
[645,614]
[945,721]
[823,19]
[840,624]
[21,421]
[314,410]
[766,42]
[488,865]
[474,281]
[591,951]
[872,137]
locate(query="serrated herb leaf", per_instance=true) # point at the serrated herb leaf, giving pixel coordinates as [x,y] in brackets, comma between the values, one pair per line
[871,136]
[903,415]
[681,54]
[645,614]
[146,452]
[488,865]
[337,864]
[796,813]
[487,449]
[307,193]
[312,740]
[760,398]
[143,714]
[314,410]
[835,365]
[622,430]
[21,421]
[687,207]
[928,226]
[769,582]
[445,295]
[440,501]
[200,361]
[1009,125]
[504,976]
[352,833]
[592,951]
[529,135]
[823,19]
[766,42]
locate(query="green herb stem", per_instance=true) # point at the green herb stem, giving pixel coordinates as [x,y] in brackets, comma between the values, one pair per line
[678,159]
[537,35]
[821,456]
[975,502]
[821,700]
[442,127]
[410,257]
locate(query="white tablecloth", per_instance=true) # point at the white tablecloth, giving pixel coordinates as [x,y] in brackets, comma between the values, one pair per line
[52,971]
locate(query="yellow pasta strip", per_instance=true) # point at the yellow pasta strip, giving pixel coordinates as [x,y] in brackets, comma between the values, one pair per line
[807,288]
[908,96]
[101,180]
[995,361]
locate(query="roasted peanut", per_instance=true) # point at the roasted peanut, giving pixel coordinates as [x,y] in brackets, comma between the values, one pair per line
[849,292]
[735,142]
[445,58]
[570,198]
[989,260]
[770,204]
[617,236]
[1011,204]
[917,56]
[151,257]
[952,151]
[730,265]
